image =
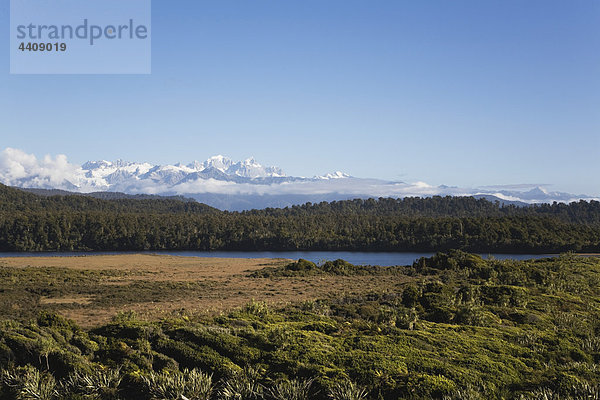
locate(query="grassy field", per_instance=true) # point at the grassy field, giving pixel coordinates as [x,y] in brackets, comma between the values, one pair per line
[92,289]
[452,327]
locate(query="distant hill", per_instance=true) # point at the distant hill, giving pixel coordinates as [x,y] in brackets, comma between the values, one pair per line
[502,202]
[247,202]
[40,200]
[238,202]
[105,195]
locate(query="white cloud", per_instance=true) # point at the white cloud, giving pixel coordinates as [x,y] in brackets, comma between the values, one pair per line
[16,165]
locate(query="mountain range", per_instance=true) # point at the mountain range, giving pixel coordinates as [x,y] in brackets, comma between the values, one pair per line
[222,183]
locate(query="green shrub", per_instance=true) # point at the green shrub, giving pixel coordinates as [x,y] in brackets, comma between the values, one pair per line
[431,387]
[504,296]
[84,343]
[202,357]
[477,316]
[162,362]
[64,362]
[410,296]
[406,318]
[257,308]
[321,326]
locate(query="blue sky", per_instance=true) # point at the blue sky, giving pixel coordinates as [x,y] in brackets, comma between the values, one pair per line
[465,93]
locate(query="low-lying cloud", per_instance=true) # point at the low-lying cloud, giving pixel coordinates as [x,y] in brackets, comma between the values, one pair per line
[16,166]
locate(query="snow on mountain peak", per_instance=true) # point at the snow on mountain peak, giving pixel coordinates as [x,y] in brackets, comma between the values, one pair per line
[96,164]
[538,190]
[335,175]
[251,162]
[218,162]
[107,173]
[196,166]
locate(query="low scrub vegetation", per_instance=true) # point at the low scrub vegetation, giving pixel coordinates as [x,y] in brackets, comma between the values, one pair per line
[461,328]
[308,268]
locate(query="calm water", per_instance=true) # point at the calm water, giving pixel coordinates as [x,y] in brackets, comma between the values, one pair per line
[359,258]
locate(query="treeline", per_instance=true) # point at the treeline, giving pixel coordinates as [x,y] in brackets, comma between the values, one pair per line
[581,212]
[72,223]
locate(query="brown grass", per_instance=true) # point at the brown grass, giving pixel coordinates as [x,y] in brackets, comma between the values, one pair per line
[214,284]
[84,300]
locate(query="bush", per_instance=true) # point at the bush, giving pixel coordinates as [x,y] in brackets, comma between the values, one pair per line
[194,385]
[161,362]
[98,384]
[430,387]
[296,389]
[242,385]
[347,390]
[28,383]
[467,393]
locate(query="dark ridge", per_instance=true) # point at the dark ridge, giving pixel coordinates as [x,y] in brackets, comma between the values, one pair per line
[105,195]
[41,200]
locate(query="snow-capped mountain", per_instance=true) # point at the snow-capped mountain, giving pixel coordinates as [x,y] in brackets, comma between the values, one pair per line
[23,170]
[335,175]
[218,162]
[225,184]
[248,168]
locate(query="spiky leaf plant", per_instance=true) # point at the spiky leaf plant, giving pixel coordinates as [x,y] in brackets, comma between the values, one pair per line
[467,393]
[586,391]
[296,389]
[544,394]
[347,390]
[192,385]
[242,385]
[99,384]
[29,383]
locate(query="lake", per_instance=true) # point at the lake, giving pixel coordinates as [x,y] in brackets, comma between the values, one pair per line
[359,258]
